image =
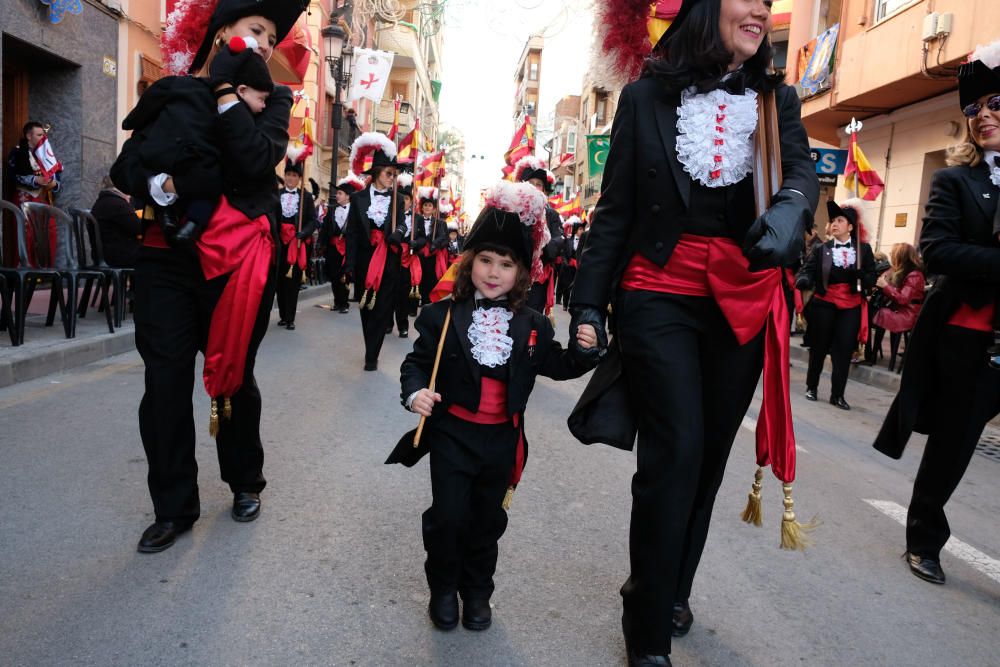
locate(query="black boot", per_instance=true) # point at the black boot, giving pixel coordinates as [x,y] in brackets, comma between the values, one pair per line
[443,610]
[682,619]
[476,614]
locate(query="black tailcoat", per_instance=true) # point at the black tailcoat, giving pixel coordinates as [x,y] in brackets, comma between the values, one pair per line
[359,249]
[959,247]
[815,273]
[645,185]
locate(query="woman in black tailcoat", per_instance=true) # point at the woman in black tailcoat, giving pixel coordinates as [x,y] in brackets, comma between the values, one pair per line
[948,390]
[667,202]
[834,270]
[374,240]
[175,301]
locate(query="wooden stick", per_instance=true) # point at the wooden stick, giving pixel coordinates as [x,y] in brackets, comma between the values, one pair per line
[434,372]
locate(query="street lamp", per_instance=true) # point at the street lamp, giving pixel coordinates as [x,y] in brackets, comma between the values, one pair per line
[334,38]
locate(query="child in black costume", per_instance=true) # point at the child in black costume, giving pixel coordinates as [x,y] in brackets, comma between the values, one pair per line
[493,350]
[176,122]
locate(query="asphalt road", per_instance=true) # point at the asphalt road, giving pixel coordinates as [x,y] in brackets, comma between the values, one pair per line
[331,574]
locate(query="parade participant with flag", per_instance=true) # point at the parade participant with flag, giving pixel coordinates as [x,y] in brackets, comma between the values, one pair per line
[530,169]
[948,389]
[217,300]
[375,230]
[859,176]
[333,240]
[36,176]
[694,276]
[472,407]
[411,270]
[434,254]
[840,272]
[297,221]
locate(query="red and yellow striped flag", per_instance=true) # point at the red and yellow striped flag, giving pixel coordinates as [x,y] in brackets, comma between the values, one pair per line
[859,175]
[395,122]
[445,286]
[410,146]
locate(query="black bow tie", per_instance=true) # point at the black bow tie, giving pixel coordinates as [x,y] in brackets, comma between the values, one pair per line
[734,84]
[377,193]
[842,245]
[486,304]
[996,161]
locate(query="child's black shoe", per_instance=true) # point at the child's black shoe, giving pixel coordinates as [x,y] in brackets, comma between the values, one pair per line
[476,614]
[443,610]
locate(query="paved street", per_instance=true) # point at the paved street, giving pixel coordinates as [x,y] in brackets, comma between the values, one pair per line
[331,574]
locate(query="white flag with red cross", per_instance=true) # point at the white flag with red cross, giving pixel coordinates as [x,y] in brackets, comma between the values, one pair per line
[371,74]
[46,159]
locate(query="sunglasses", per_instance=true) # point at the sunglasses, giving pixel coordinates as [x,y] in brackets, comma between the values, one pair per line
[972,110]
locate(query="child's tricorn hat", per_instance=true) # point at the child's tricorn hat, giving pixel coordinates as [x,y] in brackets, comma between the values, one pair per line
[404,184]
[514,218]
[428,195]
[350,184]
[981,75]
[375,146]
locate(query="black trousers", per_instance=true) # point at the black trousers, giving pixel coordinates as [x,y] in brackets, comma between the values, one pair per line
[288,288]
[404,304]
[470,472]
[691,384]
[429,279]
[967,396]
[334,273]
[567,275]
[376,320]
[173,310]
[835,332]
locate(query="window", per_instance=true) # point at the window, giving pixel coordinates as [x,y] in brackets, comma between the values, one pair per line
[571,143]
[601,108]
[533,71]
[886,8]
[586,110]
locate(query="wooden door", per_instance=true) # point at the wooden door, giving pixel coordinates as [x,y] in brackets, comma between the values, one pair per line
[15,115]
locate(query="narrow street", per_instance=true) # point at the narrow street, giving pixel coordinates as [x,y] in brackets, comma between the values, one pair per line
[331,574]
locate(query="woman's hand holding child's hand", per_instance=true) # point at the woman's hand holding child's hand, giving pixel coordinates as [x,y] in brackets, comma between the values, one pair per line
[586,336]
[424,402]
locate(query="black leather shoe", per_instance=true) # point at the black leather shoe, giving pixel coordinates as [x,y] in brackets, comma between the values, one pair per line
[636,660]
[839,402]
[927,569]
[476,614]
[404,334]
[344,309]
[291,326]
[161,536]
[371,365]
[682,619]
[246,506]
[443,610]
[810,394]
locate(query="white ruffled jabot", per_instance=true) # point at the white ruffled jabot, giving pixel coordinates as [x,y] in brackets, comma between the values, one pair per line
[844,258]
[491,346]
[715,135]
[379,210]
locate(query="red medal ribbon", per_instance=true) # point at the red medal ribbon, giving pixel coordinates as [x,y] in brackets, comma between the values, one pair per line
[233,244]
[750,301]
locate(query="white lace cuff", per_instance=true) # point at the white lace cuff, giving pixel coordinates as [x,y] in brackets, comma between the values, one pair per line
[156,190]
[408,404]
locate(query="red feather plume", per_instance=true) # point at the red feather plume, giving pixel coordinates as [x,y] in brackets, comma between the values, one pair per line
[185,30]
[626,40]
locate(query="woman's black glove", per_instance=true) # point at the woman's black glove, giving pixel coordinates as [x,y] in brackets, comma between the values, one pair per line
[775,239]
[396,238]
[302,235]
[226,64]
[592,316]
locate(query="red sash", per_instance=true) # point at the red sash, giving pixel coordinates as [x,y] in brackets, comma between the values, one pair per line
[493,410]
[548,278]
[340,243]
[977,319]
[153,237]
[411,261]
[297,250]
[843,298]
[234,244]
[750,301]
[373,280]
[440,262]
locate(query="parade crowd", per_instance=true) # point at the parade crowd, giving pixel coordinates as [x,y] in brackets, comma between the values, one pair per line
[685,288]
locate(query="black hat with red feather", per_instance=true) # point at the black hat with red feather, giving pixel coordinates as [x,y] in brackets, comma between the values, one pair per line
[530,167]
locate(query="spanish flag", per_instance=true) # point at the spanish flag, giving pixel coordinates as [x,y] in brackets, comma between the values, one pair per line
[859,175]
[410,145]
[445,285]
[433,169]
[522,144]
[395,122]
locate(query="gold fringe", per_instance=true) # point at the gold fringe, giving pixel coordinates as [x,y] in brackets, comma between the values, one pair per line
[227,409]
[416,292]
[213,420]
[507,498]
[371,301]
[364,299]
[305,278]
[754,512]
[794,535]
[289,274]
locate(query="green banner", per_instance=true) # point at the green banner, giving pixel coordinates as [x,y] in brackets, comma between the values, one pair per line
[436,90]
[597,152]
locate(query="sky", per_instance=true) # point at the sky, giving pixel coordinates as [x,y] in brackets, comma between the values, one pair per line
[483,40]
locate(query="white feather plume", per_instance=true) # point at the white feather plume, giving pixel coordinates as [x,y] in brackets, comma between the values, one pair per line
[989,54]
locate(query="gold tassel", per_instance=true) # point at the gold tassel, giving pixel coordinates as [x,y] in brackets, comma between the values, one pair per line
[364,298]
[552,319]
[213,420]
[371,301]
[507,498]
[227,409]
[304,278]
[289,274]
[794,535]
[416,292]
[754,512]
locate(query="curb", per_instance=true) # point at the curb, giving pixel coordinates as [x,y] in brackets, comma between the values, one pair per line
[17,365]
[871,375]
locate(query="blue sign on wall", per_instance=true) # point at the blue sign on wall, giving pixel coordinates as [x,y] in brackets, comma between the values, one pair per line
[829,161]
